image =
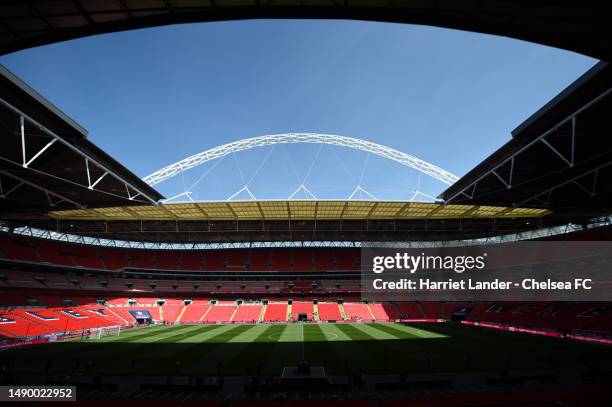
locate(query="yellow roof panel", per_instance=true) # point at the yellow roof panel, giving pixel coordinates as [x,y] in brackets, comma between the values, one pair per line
[217,210]
[522,213]
[274,209]
[303,210]
[115,213]
[185,211]
[416,210]
[330,209]
[245,210]
[383,210]
[148,212]
[483,210]
[450,211]
[358,209]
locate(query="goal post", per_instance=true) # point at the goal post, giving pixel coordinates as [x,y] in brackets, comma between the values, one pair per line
[99,333]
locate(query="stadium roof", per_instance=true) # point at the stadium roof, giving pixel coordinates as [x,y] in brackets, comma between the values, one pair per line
[559,158]
[46,161]
[53,178]
[281,221]
[582,26]
[298,210]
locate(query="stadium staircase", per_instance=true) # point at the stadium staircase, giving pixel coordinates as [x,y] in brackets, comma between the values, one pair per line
[371,312]
[172,311]
[288,316]
[161,313]
[231,318]
[380,313]
[180,315]
[421,310]
[342,312]
[263,312]
[315,312]
[102,321]
[117,315]
[206,313]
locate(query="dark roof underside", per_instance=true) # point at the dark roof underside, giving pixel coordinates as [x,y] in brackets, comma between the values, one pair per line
[56,175]
[582,26]
[560,158]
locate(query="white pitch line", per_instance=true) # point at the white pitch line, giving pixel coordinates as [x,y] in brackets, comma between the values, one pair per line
[330,330]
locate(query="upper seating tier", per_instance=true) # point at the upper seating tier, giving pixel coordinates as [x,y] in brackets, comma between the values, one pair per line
[22,248]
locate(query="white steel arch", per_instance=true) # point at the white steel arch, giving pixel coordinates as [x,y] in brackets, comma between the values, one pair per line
[292,138]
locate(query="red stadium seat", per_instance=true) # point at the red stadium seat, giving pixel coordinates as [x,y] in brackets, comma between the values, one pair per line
[219,313]
[247,313]
[329,312]
[379,312]
[357,312]
[194,312]
[276,312]
[299,307]
[171,312]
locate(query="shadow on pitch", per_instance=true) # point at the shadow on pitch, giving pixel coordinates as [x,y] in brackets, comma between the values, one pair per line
[474,351]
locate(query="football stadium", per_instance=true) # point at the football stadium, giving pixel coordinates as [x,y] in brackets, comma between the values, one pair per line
[115,288]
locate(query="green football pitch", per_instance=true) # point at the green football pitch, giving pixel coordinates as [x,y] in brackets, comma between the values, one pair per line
[377,348]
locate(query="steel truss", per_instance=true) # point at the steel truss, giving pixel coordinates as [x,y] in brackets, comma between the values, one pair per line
[90,165]
[568,158]
[21,182]
[293,138]
[506,238]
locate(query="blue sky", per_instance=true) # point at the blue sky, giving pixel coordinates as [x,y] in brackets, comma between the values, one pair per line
[154,96]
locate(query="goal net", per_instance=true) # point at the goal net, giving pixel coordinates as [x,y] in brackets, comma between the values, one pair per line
[98,333]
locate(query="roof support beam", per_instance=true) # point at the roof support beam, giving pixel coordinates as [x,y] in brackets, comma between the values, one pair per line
[572,119]
[23,118]
[39,153]
[554,150]
[38,187]
[573,180]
